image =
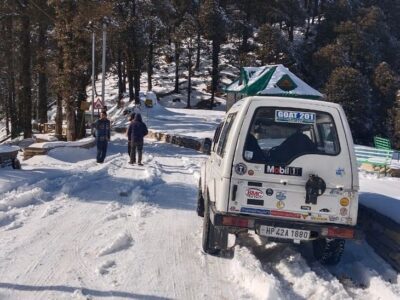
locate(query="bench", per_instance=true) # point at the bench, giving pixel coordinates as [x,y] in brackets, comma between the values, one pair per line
[382,143]
[374,156]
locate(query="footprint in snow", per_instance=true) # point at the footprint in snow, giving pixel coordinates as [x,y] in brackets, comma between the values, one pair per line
[122,242]
[114,206]
[15,225]
[115,216]
[50,210]
[105,267]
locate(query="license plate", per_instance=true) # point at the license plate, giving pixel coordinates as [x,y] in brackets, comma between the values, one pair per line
[285,233]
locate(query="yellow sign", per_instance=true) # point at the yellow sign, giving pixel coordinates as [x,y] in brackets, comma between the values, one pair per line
[85,105]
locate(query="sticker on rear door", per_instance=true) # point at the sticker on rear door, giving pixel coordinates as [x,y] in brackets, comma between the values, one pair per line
[240,169]
[254,193]
[288,116]
[278,170]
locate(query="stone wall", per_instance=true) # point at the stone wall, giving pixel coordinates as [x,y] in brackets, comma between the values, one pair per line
[176,140]
[382,234]
[181,141]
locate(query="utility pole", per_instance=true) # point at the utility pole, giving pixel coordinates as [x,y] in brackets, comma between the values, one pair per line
[93,72]
[103,78]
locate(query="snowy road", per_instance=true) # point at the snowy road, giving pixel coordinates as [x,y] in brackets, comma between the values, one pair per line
[71,228]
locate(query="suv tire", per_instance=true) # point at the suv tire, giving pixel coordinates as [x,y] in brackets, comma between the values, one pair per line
[214,239]
[328,251]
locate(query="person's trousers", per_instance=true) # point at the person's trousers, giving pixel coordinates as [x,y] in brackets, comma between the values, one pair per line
[139,148]
[101,151]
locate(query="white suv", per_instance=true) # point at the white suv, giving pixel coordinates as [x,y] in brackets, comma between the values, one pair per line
[285,168]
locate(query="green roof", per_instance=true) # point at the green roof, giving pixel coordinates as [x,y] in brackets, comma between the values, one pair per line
[271,80]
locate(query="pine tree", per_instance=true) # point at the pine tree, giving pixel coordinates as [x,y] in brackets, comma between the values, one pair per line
[274,48]
[185,32]
[74,41]
[159,15]
[292,14]
[42,23]
[334,13]
[395,116]
[8,73]
[386,83]
[328,58]
[214,22]
[24,92]
[348,87]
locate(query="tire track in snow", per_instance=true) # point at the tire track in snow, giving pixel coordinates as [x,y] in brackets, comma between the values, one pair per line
[304,278]
[287,265]
[363,273]
[168,229]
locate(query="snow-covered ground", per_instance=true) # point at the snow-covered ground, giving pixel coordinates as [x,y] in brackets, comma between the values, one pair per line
[71,228]
[192,123]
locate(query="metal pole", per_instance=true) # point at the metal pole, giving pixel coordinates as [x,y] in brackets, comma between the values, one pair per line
[93,71]
[103,79]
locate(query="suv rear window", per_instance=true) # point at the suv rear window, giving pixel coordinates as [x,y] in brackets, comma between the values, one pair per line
[278,135]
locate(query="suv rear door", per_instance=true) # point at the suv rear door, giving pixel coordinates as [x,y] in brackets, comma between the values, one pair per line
[279,148]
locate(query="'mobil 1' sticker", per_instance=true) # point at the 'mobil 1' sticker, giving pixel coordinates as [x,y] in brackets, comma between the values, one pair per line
[288,116]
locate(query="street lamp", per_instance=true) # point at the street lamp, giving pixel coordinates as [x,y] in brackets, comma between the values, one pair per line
[93,71]
[91,25]
[103,78]
[92,28]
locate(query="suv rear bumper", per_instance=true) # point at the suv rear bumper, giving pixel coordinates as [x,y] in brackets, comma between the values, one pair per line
[318,230]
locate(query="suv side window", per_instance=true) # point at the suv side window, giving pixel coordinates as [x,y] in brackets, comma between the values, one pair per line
[216,136]
[225,134]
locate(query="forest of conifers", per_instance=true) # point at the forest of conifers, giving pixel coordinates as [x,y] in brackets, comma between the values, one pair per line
[347,49]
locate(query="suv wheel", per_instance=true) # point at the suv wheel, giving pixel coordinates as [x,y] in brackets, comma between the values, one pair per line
[214,239]
[200,201]
[328,251]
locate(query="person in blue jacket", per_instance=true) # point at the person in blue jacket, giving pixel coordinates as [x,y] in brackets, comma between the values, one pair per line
[102,131]
[137,131]
[130,119]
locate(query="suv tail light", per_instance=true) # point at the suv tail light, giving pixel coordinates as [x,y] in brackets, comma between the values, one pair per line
[346,233]
[237,222]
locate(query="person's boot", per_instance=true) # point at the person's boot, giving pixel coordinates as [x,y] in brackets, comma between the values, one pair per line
[140,158]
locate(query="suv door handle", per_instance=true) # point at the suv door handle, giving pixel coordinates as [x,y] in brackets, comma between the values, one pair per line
[340,187]
[234,190]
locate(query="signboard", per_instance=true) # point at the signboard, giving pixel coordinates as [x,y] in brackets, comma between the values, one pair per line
[287,116]
[98,104]
[85,105]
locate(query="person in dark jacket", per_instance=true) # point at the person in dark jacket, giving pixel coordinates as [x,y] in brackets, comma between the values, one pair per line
[102,129]
[137,131]
[130,119]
